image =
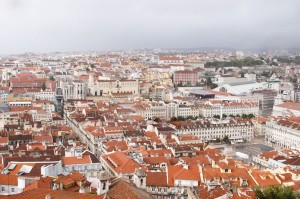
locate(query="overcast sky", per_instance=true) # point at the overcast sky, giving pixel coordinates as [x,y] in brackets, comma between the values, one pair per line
[81,25]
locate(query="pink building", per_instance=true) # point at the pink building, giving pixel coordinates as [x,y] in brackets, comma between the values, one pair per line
[186,77]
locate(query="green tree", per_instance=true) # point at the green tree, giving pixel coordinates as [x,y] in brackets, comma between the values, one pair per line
[180,118]
[157,119]
[173,119]
[276,192]
[52,78]
[44,86]
[245,116]
[226,139]
[250,116]
[190,117]
[180,84]
[217,116]
[210,84]
[208,81]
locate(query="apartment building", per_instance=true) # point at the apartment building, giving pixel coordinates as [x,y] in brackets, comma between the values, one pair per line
[186,77]
[284,132]
[236,129]
[166,60]
[287,109]
[166,110]
[266,101]
[72,89]
[217,107]
[109,87]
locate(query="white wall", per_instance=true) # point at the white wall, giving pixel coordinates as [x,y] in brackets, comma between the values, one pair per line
[188,183]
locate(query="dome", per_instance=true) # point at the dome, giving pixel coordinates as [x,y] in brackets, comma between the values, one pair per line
[140,173]
[103,176]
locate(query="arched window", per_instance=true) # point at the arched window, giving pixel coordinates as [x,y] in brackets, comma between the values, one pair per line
[142,181]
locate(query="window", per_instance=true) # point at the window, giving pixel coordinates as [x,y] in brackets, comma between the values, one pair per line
[2,188]
[12,189]
[142,181]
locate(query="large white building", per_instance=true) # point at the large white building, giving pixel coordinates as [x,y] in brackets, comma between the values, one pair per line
[241,89]
[73,89]
[284,132]
[217,107]
[233,79]
[209,130]
[109,87]
[166,110]
[46,95]
[287,108]
[166,60]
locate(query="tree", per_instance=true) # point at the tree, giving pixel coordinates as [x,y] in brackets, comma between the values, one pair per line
[190,117]
[213,86]
[52,78]
[199,84]
[217,116]
[218,140]
[180,118]
[226,139]
[250,116]
[244,116]
[44,86]
[210,84]
[208,81]
[173,119]
[276,192]
[180,84]
[157,119]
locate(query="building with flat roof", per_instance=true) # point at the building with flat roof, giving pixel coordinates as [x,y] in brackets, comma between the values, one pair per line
[203,94]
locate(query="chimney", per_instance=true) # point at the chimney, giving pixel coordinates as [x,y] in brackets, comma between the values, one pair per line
[48,196]
[185,166]
[79,156]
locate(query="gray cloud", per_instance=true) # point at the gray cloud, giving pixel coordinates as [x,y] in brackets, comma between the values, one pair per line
[74,25]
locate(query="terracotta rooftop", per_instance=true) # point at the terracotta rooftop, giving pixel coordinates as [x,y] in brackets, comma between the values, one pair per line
[41,193]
